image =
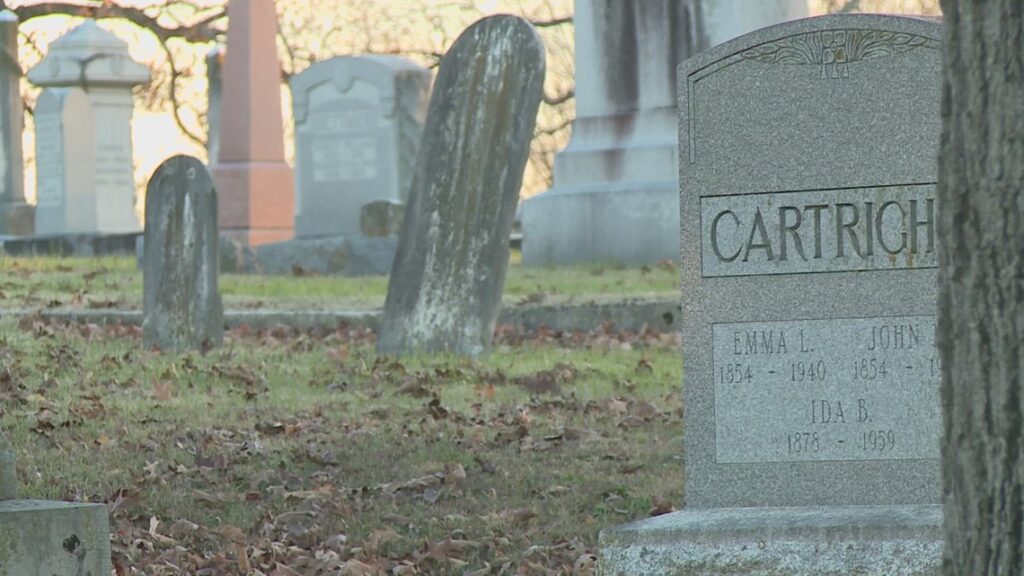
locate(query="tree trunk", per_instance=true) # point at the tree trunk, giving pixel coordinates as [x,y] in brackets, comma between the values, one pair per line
[981,296]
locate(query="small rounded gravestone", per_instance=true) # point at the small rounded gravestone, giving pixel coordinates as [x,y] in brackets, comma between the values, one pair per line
[181,302]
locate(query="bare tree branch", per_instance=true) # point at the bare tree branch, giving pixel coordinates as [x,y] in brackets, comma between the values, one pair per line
[200,31]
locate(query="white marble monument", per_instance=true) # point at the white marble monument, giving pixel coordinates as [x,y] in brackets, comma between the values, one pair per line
[358,122]
[16,216]
[83,120]
[615,194]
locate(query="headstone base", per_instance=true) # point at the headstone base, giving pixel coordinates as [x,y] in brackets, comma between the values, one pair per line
[72,245]
[41,537]
[17,219]
[623,222]
[819,541]
[335,255]
[256,201]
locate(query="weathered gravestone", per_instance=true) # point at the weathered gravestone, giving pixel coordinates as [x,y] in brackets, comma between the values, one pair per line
[43,537]
[214,64]
[807,184]
[17,218]
[181,302]
[444,292]
[85,175]
[358,121]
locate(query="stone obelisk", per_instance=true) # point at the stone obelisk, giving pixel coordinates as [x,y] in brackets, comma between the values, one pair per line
[255,184]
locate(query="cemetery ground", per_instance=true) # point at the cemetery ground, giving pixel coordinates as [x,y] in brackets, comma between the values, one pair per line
[116,283]
[302,452]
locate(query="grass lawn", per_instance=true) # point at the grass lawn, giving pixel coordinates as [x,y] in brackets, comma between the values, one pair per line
[116,283]
[300,453]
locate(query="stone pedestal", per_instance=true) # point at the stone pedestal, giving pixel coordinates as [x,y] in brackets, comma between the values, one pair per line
[85,179]
[255,186]
[17,218]
[818,541]
[358,123]
[616,192]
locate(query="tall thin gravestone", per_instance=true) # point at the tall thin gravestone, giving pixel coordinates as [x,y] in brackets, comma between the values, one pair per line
[17,217]
[446,281]
[214,64]
[84,164]
[256,185]
[807,190]
[181,303]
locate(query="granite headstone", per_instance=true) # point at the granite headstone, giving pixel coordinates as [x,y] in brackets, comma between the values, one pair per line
[358,121]
[445,288]
[181,302]
[812,418]
[83,121]
[214,65]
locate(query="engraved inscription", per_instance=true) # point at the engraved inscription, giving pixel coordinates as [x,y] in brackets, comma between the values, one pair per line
[49,161]
[883,228]
[342,145]
[835,50]
[826,390]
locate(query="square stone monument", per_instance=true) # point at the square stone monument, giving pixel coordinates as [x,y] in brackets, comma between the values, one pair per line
[812,416]
[84,166]
[358,121]
[47,537]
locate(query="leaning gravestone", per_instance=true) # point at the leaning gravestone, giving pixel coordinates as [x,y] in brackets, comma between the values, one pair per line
[181,303]
[358,121]
[444,292]
[807,184]
[44,537]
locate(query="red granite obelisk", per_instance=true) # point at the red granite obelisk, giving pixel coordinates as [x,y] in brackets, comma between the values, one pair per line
[254,183]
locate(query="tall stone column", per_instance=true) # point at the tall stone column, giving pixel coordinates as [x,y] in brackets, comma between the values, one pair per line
[616,191]
[17,218]
[214,64]
[255,184]
[83,120]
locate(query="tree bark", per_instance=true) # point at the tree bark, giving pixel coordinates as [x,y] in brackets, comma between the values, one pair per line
[981,295]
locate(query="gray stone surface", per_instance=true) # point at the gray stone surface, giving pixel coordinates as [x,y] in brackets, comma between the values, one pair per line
[615,194]
[812,541]
[358,121]
[85,173]
[181,301]
[801,135]
[445,287]
[340,255]
[8,471]
[381,218]
[214,64]
[17,218]
[54,539]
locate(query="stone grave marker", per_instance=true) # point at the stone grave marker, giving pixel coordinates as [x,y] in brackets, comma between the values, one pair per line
[358,121]
[83,120]
[812,417]
[181,302]
[17,217]
[255,184]
[444,292]
[214,64]
[47,537]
